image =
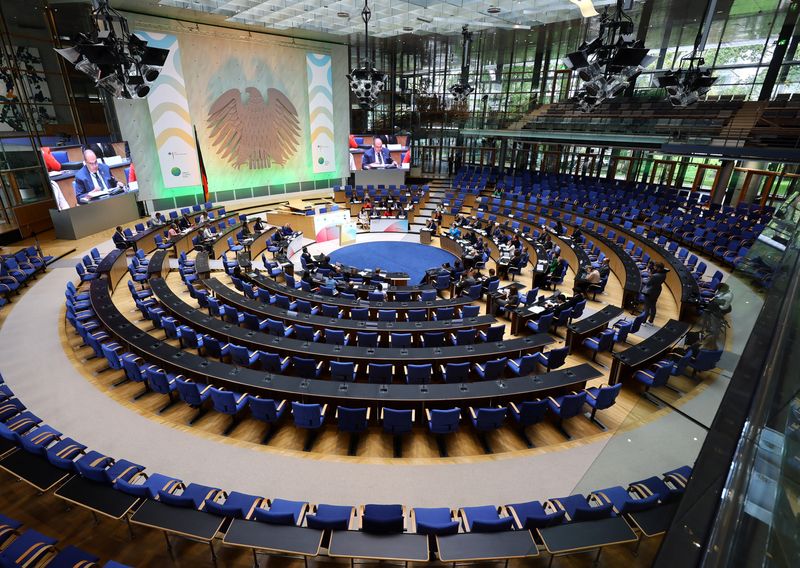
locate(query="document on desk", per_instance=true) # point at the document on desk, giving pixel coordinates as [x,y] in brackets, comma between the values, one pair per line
[536,309]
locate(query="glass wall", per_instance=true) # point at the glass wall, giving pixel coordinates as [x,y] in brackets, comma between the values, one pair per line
[513,70]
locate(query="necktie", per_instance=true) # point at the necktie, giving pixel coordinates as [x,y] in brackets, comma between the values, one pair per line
[99,180]
[380,157]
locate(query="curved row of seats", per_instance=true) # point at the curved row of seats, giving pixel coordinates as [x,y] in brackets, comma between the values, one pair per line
[22,431]
[18,269]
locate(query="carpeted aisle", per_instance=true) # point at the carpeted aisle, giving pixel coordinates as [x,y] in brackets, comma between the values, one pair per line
[393,256]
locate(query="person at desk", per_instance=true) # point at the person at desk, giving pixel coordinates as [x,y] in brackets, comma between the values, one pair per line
[173,231]
[207,237]
[590,277]
[377,157]
[604,269]
[93,177]
[493,277]
[454,232]
[183,223]
[158,219]
[508,302]
[306,259]
[120,241]
[560,228]
[287,230]
[259,226]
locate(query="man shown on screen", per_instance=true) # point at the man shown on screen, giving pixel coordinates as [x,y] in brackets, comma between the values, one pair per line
[377,156]
[94,179]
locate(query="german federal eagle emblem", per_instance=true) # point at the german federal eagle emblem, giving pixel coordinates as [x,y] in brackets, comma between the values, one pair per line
[256,133]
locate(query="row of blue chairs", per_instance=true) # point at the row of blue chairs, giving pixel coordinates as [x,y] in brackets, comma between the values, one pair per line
[23,428]
[17,269]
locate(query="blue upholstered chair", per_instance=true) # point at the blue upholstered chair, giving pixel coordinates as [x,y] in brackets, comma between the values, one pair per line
[441,422]
[532,515]
[230,403]
[195,395]
[566,407]
[233,505]
[491,370]
[343,371]
[418,374]
[397,422]
[455,372]
[494,333]
[281,512]
[542,324]
[525,365]
[602,342]
[380,373]
[527,413]
[383,519]
[354,421]
[310,417]
[437,521]
[600,398]
[330,517]
[266,410]
[485,420]
[306,368]
[485,518]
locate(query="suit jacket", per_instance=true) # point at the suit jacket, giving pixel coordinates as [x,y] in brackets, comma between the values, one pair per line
[653,287]
[84,181]
[370,158]
[120,241]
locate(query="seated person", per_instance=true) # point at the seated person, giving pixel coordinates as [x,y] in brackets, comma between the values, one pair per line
[287,230]
[158,219]
[173,231]
[454,231]
[604,269]
[587,279]
[377,156]
[120,241]
[93,177]
[259,226]
[183,223]
[466,282]
[507,302]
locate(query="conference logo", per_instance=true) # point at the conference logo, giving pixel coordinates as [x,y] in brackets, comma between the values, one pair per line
[176,171]
[256,133]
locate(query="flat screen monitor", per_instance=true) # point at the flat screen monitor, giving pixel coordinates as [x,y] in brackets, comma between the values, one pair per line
[106,173]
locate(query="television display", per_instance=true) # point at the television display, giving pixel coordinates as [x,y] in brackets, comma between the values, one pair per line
[82,175]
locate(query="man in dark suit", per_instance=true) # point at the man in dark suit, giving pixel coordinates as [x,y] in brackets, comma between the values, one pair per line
[652,290]
[377,156]
[120,241]
[93,176]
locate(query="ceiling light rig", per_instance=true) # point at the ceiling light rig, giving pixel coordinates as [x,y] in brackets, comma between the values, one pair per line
[608,63]
[688,83]
[367,82]
[119,62]
[462,90]
[691,80]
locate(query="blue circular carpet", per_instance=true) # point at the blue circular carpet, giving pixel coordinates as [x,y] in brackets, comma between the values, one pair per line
[393,256]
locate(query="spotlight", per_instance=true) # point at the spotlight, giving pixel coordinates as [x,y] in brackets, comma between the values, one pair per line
[118,61]
[685,85]
[149,73]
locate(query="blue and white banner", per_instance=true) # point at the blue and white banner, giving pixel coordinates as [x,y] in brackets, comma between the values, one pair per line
[320,111]
[172,124]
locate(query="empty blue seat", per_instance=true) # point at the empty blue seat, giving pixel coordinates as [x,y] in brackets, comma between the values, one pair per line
[281,512]
[600,398]
[310,417]
[437,521]
[354,421]
[330,517]
[418,374]
[491,370]
[532,515]
[485,518]
[566,407]
[230,403]
[383,519]
[344,371]
[266,410]
[233,505]
[191,496]
[485,420]
[397,422]
[442,422]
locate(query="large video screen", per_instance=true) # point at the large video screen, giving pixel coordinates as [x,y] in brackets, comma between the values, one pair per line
[395,152]
[82,175]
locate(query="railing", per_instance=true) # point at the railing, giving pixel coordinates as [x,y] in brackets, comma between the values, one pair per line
[740,507]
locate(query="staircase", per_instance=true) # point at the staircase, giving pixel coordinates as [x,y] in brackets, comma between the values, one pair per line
[741,124]
[438,187]
[527,117]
